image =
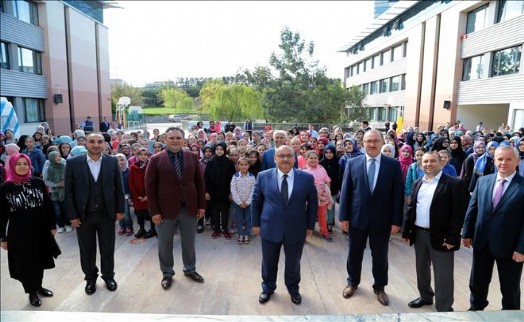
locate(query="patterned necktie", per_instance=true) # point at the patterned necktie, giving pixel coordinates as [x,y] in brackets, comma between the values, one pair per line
[178,168]
[284,190]
[371,174]
[498,192]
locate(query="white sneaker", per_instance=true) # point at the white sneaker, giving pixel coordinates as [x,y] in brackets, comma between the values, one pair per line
[68,229]
[60,230]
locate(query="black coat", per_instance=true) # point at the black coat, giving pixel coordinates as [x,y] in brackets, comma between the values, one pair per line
[29,212]
[217,177]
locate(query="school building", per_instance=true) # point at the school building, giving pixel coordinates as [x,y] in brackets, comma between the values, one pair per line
[432,62]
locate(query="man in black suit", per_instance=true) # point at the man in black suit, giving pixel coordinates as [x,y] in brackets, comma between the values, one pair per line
[104,125]
[494,226]
[94,200]
[371,202]
[432,222]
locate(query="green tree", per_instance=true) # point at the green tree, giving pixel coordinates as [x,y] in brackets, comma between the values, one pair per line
[233,102]
[121,90]
[177,99]
[355,110]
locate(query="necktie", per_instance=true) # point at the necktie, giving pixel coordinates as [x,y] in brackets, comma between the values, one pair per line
[283,189]
[371,174]
[498,192]
[178,168]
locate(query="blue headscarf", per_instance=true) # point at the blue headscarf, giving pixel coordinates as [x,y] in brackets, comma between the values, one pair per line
[480,164]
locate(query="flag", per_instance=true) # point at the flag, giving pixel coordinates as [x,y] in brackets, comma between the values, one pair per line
[9,119]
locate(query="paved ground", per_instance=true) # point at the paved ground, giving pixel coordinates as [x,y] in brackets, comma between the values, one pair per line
[232,285]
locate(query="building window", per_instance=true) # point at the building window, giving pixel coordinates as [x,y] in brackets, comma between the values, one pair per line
[26,11]
[29,61]
[402,82]
[350,71]
[506,61]
[509,9]
[386,57]
[398,52]
[405,49]
[365,88]
[381,114]
[383,86]
[361,67]
[394,84]
[4,55]
[373,88]
[376,61]
[34,110]
[473,67]
[476,19]
[368,64]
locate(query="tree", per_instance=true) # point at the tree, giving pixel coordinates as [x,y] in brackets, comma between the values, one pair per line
[299,91]
[134,93]
[355,110]
[234,102]
[177,99]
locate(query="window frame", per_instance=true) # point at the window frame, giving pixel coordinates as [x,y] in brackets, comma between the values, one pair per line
[5,62]
[36,68]
[391,83]
[467,68]
[32,14]
[501,4]
[516,64]
[373,88]
[384,82]
[39,111]
[474,12]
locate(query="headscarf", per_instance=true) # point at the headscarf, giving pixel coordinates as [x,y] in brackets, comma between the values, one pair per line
[405,162]
[480,164]
[121,155]
[324,140]
[66,139]
[517,142]
[356,151]
[12,176]
[77,150]
[55,174]
[141,164]
[325,162]
[391,148]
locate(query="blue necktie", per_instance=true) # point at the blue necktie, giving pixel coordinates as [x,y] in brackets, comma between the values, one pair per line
[371,174]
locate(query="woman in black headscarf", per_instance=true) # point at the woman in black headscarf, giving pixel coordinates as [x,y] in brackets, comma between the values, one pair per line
[457,154]
[330,163]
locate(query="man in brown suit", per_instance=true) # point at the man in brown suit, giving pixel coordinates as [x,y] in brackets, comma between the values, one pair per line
[176,195]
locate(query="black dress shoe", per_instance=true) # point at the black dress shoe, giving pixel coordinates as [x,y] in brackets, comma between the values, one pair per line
[34,299]
[420,302]
[194,276]
[111,284]
[45,292]
[382,297]
[296,298]
[150,234]
[264,297]
[166,282]
[90,287]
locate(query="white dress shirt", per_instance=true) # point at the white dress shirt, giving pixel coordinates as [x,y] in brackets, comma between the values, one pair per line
[377,168]
[497,183]
[94,166]
[290,176]
[424,198]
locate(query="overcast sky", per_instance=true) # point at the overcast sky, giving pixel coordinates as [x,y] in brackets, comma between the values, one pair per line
[163,40]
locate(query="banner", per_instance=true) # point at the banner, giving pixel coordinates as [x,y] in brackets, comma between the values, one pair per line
[9,118]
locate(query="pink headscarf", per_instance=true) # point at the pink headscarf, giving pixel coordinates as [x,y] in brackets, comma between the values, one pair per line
[12,176]
[405,162]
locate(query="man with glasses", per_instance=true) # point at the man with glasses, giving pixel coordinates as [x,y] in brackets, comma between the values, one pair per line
[268,158]
[283,211]
[371,202]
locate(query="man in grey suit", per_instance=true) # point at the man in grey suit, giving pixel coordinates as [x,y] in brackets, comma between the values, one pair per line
[283,211]
[494,226]
[94,200]
[432,222]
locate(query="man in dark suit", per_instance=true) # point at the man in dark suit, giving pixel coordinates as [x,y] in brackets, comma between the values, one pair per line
[94,200]
[371,202]
[268,158]
[494,226]
[176,195]
[432,222]
[104,125]
[283,211]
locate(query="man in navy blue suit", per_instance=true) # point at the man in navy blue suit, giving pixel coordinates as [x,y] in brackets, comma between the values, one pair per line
[371,205]
[283,211]
[268,158]
[494,226]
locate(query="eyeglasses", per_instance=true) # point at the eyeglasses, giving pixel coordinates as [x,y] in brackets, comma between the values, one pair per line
[372,141]
[285,156]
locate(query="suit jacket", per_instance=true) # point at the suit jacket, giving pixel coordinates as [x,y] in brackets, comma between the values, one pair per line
[163,187]
[277,221]
[446,213]
[268,159]
[502,228]
[77,186]
[377,211]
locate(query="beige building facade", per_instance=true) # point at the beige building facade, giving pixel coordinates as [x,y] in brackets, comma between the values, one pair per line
[434,62]
[55,63]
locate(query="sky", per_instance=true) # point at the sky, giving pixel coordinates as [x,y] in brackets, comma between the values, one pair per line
[163,40]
